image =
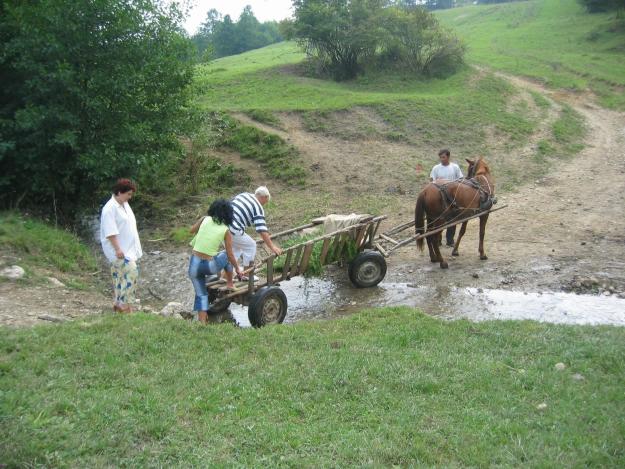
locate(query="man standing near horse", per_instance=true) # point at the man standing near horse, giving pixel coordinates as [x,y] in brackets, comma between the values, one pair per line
[447,171]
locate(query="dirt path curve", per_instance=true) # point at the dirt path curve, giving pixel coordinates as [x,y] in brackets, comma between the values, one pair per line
[561,230]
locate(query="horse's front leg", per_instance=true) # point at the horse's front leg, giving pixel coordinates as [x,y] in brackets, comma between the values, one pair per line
[483,220]
[463,228]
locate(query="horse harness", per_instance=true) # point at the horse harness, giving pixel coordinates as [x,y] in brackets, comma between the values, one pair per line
[487,200]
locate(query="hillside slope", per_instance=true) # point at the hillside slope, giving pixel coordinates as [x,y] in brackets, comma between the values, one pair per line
[553,41]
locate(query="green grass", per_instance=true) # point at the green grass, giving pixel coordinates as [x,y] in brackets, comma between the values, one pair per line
[270,85]
[554,41]
[264,117]
[41,245]
[383,388]
[280,159]
[567,131]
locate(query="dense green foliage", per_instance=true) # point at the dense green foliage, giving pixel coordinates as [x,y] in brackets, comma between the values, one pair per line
[346,37]
[383,388]
[42,245]
[90,91]
[219,36]
[554,41]
[597,6]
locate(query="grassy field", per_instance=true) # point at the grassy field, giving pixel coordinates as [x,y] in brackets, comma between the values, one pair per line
[382,388]
[44,250]
[554,41]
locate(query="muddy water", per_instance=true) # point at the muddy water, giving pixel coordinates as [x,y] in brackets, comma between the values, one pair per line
[330,298]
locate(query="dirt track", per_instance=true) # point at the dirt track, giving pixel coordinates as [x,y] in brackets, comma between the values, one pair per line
[563,231]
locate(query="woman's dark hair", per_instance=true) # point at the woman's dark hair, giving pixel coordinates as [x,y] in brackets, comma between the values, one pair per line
[221,212]
[124,185]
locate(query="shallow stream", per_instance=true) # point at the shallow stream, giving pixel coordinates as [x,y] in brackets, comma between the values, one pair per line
[316,298]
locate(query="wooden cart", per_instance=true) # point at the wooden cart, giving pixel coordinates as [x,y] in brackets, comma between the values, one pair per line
[267,303]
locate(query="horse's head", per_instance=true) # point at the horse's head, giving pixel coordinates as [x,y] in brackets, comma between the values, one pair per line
[476,167]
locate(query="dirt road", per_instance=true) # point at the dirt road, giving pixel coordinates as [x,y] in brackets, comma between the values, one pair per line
[563,231]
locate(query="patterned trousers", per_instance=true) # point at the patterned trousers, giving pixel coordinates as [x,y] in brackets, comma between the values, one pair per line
[125,274]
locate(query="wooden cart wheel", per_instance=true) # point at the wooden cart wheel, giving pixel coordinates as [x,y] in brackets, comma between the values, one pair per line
[367,269]
[267,306]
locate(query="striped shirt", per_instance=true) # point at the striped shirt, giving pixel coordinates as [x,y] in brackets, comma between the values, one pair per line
[247,211]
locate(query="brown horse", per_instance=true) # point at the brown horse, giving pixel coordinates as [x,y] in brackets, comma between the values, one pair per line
[443,202]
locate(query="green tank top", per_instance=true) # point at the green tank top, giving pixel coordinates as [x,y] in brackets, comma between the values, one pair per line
[209,237]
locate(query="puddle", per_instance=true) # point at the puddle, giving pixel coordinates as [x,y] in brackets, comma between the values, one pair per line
[327,299]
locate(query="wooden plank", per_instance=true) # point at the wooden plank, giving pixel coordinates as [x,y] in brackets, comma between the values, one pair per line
[289,231]
[370,235]
[250,281]
[324,250]
[399,228]
[388,238]
[360,235]
[343,237]
[308,248]
[441,228]
[294,270]
[287,264]
[381,249]
[270,270]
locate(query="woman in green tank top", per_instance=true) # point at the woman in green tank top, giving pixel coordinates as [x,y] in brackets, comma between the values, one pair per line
[206,258]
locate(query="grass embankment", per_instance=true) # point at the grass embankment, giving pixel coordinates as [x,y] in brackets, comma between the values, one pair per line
[43,250]
[464,112]
[382,388]
[554,41]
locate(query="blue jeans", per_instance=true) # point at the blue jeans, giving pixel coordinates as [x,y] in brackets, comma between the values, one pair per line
[199,269]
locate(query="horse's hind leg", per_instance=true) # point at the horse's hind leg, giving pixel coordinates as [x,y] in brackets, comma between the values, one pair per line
[438,255]
[430,240]
[463,228]
[483,220]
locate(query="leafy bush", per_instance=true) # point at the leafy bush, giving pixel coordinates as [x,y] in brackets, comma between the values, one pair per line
[345,38]
[599,6]
[91,91]
[414,40]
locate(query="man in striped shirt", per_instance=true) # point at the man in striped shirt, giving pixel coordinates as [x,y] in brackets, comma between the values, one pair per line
[247,211]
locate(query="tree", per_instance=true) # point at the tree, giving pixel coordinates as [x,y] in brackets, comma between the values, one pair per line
[341,34]
[248,35]
[415,41]
[224,38]
[90,91]
[221,36]
[439,4]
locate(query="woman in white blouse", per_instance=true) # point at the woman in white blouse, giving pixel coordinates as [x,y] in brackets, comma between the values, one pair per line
[121,245]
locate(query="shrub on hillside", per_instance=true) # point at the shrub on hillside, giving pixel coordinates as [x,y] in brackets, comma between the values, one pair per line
[345,38]
[599,6]
[415,41]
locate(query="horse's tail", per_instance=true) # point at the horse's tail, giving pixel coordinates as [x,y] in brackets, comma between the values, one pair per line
[419,218]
